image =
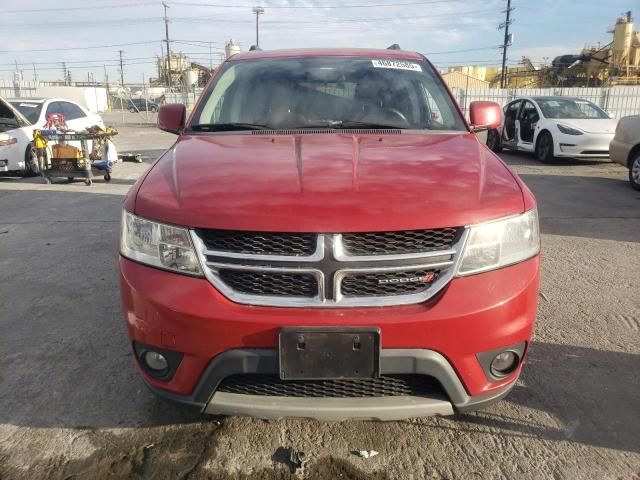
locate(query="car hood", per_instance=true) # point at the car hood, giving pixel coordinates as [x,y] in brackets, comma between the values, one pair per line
[590,125]
[328,183]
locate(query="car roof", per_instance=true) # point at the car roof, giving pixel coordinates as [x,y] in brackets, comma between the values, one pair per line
[327,52]
[27,100]
[557,97]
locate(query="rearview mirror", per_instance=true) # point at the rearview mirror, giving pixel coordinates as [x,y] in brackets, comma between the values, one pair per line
[171,117]
[485,116]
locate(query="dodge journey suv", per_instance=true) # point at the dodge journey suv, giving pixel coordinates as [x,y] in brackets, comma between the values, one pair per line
[327,238]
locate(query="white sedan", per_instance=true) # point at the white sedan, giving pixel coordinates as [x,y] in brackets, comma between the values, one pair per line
[18,119]
[554,127]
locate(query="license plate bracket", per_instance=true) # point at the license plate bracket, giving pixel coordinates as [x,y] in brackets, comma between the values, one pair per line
[323,353]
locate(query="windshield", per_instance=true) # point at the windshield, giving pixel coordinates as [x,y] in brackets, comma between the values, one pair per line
[327,92]
[30,110]
[570,108]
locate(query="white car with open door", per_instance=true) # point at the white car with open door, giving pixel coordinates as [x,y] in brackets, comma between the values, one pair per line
[36,112]
[15,137]
[554,127]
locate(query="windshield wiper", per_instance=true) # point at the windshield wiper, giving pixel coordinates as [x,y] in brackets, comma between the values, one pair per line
[347,124]
[227,127]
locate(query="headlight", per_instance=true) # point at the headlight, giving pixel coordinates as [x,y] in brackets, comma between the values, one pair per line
[8,141]
[568,130]
[500,243]
[158,245]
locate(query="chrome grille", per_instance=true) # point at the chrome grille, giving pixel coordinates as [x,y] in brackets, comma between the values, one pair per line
[259,243]
[384,386]
[387,283]
[394,243]
[334,270]
[270,283]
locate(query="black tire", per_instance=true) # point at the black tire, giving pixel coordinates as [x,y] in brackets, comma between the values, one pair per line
[153,109]
[493,141]
[544,148]
[132,110]
[107,177]
[634,170]
[30,162]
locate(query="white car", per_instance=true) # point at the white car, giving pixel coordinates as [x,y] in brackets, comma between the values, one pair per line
[22,116]
[554,127]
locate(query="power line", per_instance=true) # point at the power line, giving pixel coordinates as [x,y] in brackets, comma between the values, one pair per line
[287,7]
[68,9]
[80,48]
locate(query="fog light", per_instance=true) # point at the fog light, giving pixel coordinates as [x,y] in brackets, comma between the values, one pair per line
[155,361]
[504,363]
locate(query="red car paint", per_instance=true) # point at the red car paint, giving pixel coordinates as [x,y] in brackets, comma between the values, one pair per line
[341,183]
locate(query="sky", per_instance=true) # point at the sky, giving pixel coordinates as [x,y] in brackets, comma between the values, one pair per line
[88,35]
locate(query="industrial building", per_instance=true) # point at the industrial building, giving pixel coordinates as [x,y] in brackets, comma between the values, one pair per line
[616,63]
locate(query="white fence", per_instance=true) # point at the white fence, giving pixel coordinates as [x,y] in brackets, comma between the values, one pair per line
[618,101]
[92,98]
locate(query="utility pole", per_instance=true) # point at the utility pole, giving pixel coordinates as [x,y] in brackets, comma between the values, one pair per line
[121,70]
[258,11]
[35,73]
[505,45]
[166,34]
[64,72]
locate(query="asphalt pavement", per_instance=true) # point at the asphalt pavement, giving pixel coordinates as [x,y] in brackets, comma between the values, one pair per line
[72,404]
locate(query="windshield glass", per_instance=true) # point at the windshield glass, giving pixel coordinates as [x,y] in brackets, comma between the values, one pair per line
[30,110]
[327,92]
[570,108]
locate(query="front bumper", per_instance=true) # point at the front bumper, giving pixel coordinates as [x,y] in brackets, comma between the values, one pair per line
[589,145]
[454,397]
[442,337]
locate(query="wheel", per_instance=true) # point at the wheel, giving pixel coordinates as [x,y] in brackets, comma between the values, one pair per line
[634,171]
[544,148]
[88,182]
[153,109]
[493,141]
[107,177]
[132,110]
[139,158]
[30,162]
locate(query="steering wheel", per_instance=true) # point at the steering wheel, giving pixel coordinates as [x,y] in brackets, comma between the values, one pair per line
[382,116]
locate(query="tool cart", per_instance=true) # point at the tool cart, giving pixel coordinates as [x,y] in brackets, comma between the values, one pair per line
[70,162]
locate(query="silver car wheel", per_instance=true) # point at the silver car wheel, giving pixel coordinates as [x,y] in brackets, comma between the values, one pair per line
[635,169]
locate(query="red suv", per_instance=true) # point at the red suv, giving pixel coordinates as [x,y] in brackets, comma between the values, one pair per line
[327,238]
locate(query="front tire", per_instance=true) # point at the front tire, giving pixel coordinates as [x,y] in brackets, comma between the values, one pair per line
[634,171]
[31,162]
[493,141]
[544,148]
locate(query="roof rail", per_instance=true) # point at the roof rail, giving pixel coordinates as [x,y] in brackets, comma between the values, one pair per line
[253,48]
[395,46]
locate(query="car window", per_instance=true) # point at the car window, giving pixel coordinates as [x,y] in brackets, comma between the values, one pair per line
[570,108]
[54,107]
[529,112]
[71,111]
[323,91]
[30,110]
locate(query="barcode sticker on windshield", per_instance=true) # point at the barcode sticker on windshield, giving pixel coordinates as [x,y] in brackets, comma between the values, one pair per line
[396,64]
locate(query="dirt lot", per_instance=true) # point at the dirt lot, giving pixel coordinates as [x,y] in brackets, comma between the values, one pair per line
[74,406]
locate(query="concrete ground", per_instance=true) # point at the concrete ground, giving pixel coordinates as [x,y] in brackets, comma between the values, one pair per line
[72,404]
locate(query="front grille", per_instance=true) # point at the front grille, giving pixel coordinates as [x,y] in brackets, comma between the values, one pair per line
[387,283]
[384,386]
[329,269]
[259,243]
[271,283]
[396,243]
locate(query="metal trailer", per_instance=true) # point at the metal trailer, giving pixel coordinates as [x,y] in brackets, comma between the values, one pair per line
[83,166]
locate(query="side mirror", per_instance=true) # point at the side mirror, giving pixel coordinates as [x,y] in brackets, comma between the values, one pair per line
[485,116]
[172,117]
